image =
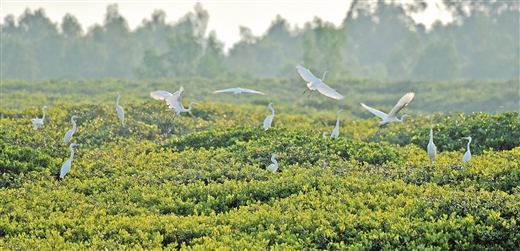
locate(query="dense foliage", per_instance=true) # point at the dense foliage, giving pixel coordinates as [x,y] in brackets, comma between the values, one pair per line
[199,181]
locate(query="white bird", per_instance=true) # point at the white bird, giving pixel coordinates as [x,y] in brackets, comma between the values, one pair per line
[65,168]
[38,122]
[120,111]
[269,119]
[432,152]
[335,132]
[467,154]
[324,134]
[391,116]
[314,83]
[239,90]
[174,100]
[274,165]
[69,133]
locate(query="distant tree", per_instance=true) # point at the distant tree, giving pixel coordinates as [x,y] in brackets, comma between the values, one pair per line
[188,52]
[264,56]
[70,27]
[118,43]
[38,30]
[437,61]
[403,58]
[323,47]
[18,59]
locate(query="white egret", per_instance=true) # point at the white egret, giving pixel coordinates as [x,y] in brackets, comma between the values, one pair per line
[324,134]
[239,90]
[335,132]
[274,165]
[391,116]
[432,152]
[69,133]
[174,100]
[269,119]
[314,83]
[120,111]
[38,122]
[65,168]
[467,154]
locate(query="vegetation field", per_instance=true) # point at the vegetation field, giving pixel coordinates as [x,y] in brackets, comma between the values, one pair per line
[199,181]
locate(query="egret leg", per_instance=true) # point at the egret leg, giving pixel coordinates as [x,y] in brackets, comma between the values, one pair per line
[310,93]
[305,91]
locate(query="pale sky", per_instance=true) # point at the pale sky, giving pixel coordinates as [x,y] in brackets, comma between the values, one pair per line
[225,16]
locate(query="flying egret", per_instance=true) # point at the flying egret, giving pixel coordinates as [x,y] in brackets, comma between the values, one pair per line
[314,83]
[335,132]
[269,119]
[391,116]
[467,154]
[120,111]
[274,165]
[432,152]
[69,133]
[65,168]
[174,100]
[239,90]
[38,122]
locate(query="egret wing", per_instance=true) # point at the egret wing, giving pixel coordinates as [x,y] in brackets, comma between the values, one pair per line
[226,90]
[327,91]
[175,102]
[160,95]
[401,104]
[252,91]
[306,74]
[378,113]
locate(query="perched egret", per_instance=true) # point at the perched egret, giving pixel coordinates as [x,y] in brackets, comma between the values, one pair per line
[120,111]
[269,119]
[467,154]
[65,168]
[38,122]
[391,116]
[314,83]
[174,100]
[431,147]
[335,132]
[239,90]
[274,165]
[69,133]
[324,134]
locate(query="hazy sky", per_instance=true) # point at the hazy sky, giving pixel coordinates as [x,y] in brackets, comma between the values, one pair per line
[225,16]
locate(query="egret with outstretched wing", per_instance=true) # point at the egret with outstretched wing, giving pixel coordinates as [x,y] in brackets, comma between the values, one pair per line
[314,83]
[391,116]
[174,100]
[238,90]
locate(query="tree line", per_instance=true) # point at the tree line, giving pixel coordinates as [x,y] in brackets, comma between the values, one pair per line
[377,40]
